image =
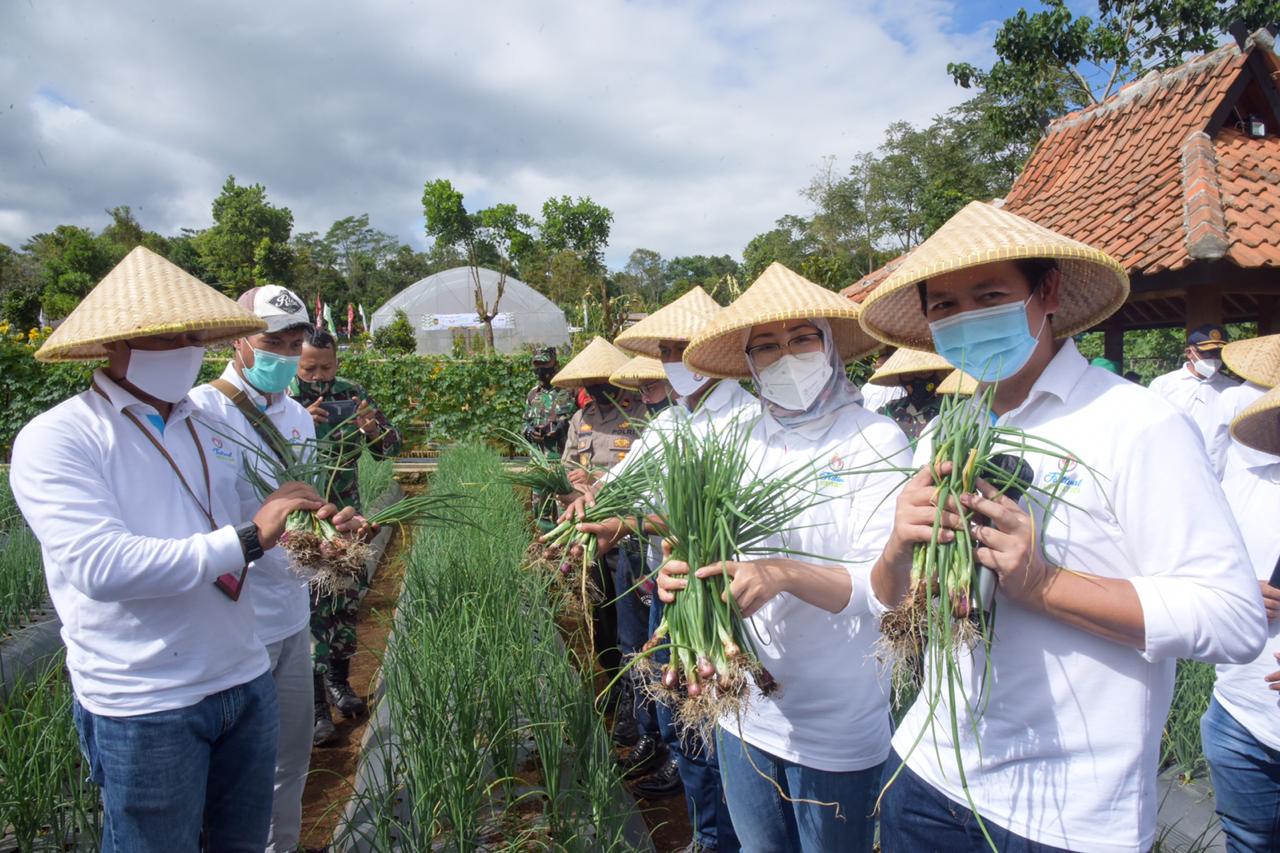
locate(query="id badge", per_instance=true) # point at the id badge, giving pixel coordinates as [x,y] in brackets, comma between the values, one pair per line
[231,584]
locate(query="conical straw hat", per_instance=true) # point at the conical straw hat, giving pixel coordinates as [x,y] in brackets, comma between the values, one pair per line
[1255,359]
[1259,425]
[146,295]
[638,371]
[778,294]
[679,321]
[596,363]
[958,383]
[906,363]
[1094,285]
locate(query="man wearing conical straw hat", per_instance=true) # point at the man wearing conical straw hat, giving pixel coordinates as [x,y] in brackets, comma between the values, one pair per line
[1257,362]
[1096,597]
[1241,728]
[916,374]
[136,506]
[705,401]
[801,765]
[876,397]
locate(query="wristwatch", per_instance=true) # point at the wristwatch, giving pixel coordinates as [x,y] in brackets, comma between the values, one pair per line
[249,542]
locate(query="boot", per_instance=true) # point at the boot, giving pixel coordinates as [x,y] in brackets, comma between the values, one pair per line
[339,689]
[324,733]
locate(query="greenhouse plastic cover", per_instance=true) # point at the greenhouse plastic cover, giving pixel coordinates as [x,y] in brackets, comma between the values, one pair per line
[441,304]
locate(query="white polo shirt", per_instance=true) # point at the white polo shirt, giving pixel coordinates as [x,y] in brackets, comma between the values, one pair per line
[1254,493]
[876,397]
[1195,397]
[129,556]
[832,711]
[1068,742]
[1221,446]
[280,598]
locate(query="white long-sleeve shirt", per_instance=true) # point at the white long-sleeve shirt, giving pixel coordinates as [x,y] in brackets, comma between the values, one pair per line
[832,711]
[1195,397]
[1253,491]
[130,558]
[1067,745]
[280,599]
[1218,441]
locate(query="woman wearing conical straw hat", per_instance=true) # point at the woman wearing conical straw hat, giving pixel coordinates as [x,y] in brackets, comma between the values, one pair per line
[1257,362]
[801,766]
[1241,728]
[1137,565]
[136,506]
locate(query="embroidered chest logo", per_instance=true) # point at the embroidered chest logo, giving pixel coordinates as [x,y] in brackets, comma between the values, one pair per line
[220,449]
[1067,476]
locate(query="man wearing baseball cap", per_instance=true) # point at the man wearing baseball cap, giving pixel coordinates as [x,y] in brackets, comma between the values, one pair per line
[1194,387]
[254,384]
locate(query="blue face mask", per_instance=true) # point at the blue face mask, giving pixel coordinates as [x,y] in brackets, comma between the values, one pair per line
[990,344]
[271,373]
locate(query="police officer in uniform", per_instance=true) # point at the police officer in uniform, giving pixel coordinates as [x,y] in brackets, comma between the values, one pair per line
[600,436]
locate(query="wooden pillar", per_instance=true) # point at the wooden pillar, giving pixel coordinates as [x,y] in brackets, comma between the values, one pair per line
[1204,305]
[1268,315]
[1113,344]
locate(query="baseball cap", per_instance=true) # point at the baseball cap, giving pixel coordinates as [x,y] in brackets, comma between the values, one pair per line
[1206,337]
[279,306]
[544,356]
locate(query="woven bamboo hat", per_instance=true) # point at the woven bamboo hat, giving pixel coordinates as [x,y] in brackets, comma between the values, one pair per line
[1259,425]
[1255,359]
[146,295]
[778,294]
[958,383]
[679,321]
[638,371]
[1094,285]
[908,363]
[596,363]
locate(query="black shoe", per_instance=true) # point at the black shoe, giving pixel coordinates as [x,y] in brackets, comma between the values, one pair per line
[626,731]
[339,689]
[644,756]
[663,783]
[324,732]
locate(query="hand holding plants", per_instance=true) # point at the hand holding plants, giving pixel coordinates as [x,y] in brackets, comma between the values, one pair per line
[754,582]
[276,507]
[1008,546]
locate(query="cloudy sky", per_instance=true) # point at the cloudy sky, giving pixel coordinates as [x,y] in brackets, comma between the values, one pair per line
[696,123]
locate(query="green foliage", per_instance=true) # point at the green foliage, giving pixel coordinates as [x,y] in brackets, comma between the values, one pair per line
[397,336]
[1181,744]
[72,260]
[22,586]
[580,225]
[28,387]
[248,244]
[1051,61]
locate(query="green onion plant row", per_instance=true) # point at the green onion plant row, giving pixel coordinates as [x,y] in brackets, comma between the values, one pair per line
[497,744]
[22,586]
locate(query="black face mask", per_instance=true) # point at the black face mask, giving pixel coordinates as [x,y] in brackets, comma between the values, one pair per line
[919,390]
[544,374]
[654,408]
[600,394]
[314,390]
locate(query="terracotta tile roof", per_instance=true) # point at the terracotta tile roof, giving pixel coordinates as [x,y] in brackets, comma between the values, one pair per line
[1138,176]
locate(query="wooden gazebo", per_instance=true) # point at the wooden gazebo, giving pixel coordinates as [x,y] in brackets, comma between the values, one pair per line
[1178,177]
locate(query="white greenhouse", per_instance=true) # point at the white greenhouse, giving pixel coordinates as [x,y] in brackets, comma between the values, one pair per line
[442,309]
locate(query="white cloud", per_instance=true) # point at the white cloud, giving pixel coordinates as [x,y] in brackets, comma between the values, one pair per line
[695,123]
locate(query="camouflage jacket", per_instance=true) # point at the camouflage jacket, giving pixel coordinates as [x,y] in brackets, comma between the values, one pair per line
[546,416]
[385,442]
[912,415]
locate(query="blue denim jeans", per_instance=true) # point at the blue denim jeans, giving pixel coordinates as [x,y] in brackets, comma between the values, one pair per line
[916,817]
[168,775]
[699,771]
[1246,782]
[803,815]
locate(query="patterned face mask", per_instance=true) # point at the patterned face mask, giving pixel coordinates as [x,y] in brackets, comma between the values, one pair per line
[314,390]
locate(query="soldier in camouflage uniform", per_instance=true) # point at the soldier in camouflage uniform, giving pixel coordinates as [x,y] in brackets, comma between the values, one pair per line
[546,421]
[333,616]
[913,412]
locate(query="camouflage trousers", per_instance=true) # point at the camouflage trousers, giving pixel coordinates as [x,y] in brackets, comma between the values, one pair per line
[333,624]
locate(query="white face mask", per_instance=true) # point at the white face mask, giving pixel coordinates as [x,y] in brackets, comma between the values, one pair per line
[683,380]
[1207,367]
[166,374]
[793,382]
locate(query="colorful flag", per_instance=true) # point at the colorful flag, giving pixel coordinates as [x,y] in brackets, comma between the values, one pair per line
[319,309]
[328,321]
[351,318]
[364,322]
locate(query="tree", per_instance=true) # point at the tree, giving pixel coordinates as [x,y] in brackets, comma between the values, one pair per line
[788,244]
[19,288]
[72,260]
[581,226]
[1051,62]
[645,276]
[489,237]
[248,244]
[396,336]
[719,275]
